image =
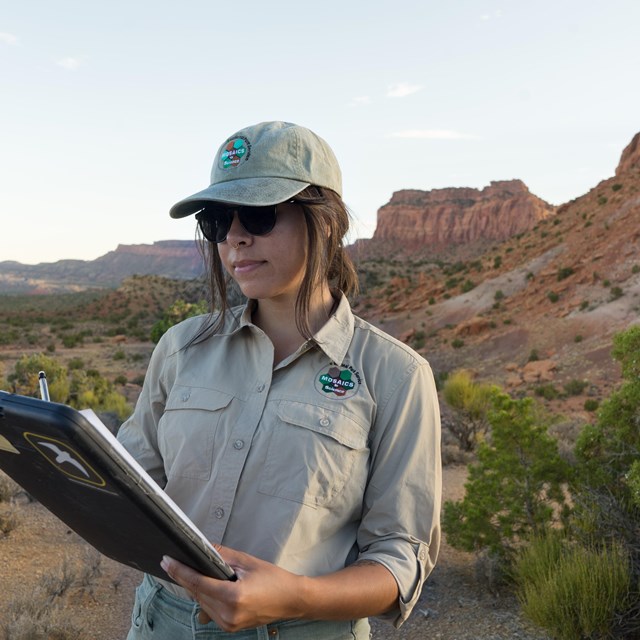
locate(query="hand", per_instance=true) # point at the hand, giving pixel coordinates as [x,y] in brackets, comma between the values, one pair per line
[262,593]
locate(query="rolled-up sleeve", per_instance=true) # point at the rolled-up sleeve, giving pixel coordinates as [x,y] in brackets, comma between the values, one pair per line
[400,526]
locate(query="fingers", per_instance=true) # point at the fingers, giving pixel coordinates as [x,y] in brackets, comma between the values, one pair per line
[203,617]
[189,579]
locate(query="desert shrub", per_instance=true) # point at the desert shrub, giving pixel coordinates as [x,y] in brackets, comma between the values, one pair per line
[616,187]
[533,356]
[470,402]
[591,404]
[604,485]
[498,295]
[24,379]
[75,363]
[71,340]
[457,343]
[76,387]
[574,592]
[547,391]
[564,272]
[575,387]
[635,269]
[177,312]
[418,340]
[8,488]
[42,613]
[515,490]
[8,522]
[616,292]
[553,296]
[468,285]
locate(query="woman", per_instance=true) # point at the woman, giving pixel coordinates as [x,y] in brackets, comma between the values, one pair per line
[301,438]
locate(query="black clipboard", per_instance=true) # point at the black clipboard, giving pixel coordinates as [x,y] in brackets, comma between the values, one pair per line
[75,467]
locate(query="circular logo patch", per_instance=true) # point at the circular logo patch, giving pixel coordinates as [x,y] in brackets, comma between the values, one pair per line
[236,151]
[338,382]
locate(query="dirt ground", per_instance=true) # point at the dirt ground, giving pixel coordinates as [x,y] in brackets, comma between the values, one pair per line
[40,550]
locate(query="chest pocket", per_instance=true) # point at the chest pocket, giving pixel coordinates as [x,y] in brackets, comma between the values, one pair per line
[313,452]
[187,430]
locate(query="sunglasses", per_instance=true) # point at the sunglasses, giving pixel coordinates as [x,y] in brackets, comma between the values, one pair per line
[216,219]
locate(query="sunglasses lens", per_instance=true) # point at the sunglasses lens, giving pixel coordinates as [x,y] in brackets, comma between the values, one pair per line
[258,220]
[215,220]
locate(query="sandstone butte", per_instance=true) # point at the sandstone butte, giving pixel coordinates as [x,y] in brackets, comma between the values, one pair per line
[440,218]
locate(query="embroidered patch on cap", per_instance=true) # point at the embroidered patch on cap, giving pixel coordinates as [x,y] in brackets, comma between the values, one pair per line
[236,151]
[340,382]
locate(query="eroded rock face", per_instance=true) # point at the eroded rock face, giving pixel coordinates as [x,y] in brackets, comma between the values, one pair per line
[443,217]
[630,158]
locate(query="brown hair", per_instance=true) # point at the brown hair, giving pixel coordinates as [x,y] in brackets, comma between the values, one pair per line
[327,219]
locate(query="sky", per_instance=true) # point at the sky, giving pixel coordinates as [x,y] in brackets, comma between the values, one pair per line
[112,111]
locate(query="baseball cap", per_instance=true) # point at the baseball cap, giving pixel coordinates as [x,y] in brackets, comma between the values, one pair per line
[265,164]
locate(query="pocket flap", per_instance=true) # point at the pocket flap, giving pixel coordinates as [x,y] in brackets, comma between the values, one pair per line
[338,425]
[183,397]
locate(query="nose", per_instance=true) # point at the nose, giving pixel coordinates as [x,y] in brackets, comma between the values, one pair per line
[237,234]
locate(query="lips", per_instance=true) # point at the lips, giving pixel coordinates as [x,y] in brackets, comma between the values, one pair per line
[246,266]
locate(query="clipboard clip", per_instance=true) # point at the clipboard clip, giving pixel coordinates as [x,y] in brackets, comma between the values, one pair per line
[44,387]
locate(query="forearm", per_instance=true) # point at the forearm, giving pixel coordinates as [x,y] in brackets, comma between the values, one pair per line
[264,592]
[361,590]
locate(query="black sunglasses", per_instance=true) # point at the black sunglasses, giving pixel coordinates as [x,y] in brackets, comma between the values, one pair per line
[216,219]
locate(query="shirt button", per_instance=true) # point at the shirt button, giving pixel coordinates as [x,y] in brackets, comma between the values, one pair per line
[238,444]
[219,512]
[185,396]
[260,388]
[273,632]
[325,422]
[422,555]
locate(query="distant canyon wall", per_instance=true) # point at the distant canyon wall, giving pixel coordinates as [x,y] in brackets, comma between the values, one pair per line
[440,218]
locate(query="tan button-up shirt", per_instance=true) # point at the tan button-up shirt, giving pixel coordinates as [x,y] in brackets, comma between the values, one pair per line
[329,457]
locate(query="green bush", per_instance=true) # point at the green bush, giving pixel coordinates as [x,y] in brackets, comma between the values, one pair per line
[616,292]
[575,592]
[564,272]
[457,343]
[547,391]
[553,296]
[470,402]
[177,312]
[515,490]
[591,404]
[575,387]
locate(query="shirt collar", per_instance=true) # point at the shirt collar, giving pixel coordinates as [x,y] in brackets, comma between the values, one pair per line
[333,338]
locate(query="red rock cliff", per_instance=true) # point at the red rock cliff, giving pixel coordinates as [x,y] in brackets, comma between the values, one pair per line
[630,158]
[444,217]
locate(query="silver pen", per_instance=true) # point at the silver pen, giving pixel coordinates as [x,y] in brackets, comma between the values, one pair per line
[44,387]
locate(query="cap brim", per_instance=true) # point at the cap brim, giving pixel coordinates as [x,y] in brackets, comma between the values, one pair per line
[248,191]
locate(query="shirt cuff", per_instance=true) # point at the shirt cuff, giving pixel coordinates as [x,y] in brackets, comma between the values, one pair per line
[410,573]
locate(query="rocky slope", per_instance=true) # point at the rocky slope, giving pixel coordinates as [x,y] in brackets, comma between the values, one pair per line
[539,308]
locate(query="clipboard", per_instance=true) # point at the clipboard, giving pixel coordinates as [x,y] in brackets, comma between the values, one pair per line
[76,468]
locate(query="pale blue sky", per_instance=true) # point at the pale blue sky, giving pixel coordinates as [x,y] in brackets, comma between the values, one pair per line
[111,111]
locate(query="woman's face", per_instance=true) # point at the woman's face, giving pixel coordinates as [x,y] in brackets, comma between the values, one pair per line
[269,267]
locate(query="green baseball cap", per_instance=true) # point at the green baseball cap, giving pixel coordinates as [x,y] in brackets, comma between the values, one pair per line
[266,164]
